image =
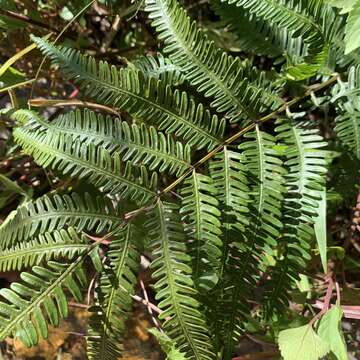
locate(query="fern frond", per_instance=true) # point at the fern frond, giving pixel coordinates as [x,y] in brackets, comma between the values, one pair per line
[116,285]
[256,35]
[55,212]
[147,99]
[346,96]
[230,180]
[88,161]
[200,215]
[307,166]
[303,18]
[265,176]
[160,68]
[29,306]
[215,73]
[139,143]
[233,194]
[348,127]
[49,246]
[266,171]
[184,322]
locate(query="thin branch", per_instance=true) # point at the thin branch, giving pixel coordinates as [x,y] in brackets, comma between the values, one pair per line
[153,318]
[27,19]
[109,37]
[64,102]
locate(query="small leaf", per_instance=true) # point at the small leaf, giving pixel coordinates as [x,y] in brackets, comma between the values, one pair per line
[330,331]
[320,230]
[167,345]
[352,30]
[13,186]
[302,343]
[345,5]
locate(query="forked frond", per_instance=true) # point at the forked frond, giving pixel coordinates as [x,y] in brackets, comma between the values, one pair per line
[55,212]
[87,161]
[116,285]
[49,246]
[306,164]
[139,143]
[175,291]
[200,215]
[27,307]
[211,70]
[149,99]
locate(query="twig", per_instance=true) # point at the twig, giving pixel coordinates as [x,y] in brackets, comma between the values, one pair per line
[146,303]
[327,300]
[64,102]
[111,34]
[260,342]
[154,320]
[75,333]
[78,305]
[27,19]
[350,311]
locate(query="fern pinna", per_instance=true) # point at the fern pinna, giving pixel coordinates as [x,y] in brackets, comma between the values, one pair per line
[222,199]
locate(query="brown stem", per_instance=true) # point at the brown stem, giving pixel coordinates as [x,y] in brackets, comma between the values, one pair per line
[27,19]
[61,102]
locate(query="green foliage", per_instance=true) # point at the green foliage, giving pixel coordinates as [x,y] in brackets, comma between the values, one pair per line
[142,98]
[330,330]
[29,305]
[175,288]
[211,70]
[206,169]
[167,345]
[302,343]
[200,215]
[114,291]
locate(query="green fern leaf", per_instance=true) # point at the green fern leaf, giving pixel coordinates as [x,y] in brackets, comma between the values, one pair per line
[160,68]
[265,175]
[40,299]
[200,214]
[184,322]
[211,70]
[306,164]
[138,143]
[258,36]
[230,180]
[55,212]
[232,192]
[88,161]
[46,247]
[148,99]
[303,19]
[116,285]
[348,127]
